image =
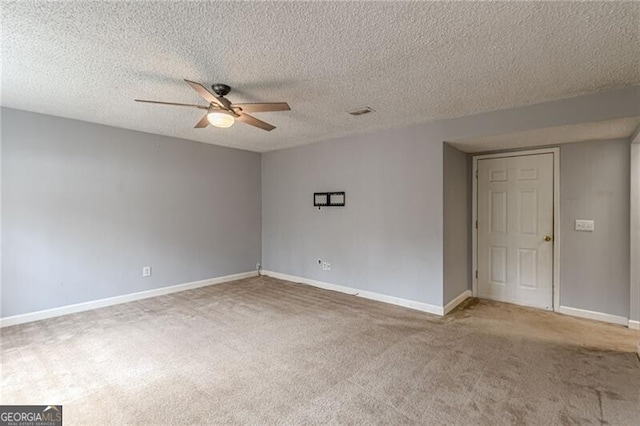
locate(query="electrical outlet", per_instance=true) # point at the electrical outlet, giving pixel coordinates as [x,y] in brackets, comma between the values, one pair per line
[326,266]
[258,266]
[146,271]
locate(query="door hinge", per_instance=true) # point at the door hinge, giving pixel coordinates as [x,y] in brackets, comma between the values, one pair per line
[476,173]
[476,223]
[476,274]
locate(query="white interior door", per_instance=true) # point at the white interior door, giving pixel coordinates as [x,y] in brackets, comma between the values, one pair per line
[515,229]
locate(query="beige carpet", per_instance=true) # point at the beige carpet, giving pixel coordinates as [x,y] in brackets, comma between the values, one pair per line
[265,351]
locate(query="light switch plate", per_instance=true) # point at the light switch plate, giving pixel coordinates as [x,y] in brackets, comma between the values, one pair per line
[584,225]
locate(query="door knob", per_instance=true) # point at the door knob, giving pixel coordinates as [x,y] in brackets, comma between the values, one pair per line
[547,238]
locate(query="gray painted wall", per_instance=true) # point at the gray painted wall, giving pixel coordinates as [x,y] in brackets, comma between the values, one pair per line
[457,229]
[582,192]
[594,184]
[388,238]
[635,230]
[86,206]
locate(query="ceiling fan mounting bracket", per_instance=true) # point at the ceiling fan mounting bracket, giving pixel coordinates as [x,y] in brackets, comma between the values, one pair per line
[221,89]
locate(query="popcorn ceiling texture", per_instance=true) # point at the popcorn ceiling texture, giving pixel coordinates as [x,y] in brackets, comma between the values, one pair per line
[411,62]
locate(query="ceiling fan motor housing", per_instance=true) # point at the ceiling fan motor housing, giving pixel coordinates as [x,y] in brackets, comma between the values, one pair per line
[220,89]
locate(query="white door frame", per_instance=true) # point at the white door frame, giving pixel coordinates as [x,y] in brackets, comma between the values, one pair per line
[556,215]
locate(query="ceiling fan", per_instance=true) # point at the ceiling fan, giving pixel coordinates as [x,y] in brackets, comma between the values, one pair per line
[221,112]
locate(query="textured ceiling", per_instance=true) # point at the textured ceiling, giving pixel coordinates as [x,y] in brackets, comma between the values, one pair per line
[411,62]
[602,130]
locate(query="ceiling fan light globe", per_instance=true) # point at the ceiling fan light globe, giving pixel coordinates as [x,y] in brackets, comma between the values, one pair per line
[220,119]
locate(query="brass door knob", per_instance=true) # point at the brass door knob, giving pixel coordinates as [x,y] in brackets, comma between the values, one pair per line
[547,238]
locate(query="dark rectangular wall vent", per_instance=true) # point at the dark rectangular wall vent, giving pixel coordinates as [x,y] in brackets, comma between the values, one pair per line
[328,199]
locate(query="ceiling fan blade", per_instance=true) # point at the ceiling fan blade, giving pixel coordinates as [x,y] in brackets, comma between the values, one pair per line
[171,103]
[247,119]
[202,91]
[203,123]
[265,107]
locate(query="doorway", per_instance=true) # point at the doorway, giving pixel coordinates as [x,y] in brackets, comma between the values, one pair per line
[515,229]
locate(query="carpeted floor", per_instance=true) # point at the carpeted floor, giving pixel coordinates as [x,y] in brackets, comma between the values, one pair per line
[265,351]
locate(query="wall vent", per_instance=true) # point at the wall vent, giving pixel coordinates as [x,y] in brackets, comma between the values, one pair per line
[360,111]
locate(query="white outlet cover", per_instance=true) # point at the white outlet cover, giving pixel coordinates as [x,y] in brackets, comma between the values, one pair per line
[146,271]
[584,225]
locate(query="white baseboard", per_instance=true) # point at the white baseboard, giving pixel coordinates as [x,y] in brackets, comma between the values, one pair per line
[101,303]
[412,304]
[458,300]
[598,316]
[634,325]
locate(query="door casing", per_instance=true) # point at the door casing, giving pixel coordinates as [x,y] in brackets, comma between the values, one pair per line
[556,215]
